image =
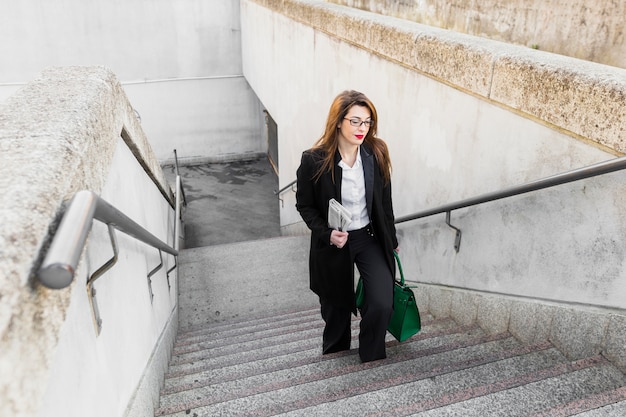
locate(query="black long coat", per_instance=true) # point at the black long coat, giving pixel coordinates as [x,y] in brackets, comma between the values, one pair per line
[331,272]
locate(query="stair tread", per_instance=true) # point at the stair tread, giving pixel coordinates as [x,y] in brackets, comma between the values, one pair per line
[517,401]
[268,320]
[594,377]
[439,396]
[240,341]
[440,374]
[612,409]
[444,339]
[495,397]
[265,367]
[313,380]
[267,349]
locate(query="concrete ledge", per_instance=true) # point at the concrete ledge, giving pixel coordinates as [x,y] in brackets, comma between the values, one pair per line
[579,97]
[58,135]
[531,322]
[577,332]
[514,22]
[584,98]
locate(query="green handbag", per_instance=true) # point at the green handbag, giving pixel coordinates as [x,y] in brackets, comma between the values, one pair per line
[405,321]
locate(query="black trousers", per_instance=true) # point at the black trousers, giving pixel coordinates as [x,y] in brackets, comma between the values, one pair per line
[367,254]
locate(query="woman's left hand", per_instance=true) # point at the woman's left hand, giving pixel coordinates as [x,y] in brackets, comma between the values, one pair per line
[338,238]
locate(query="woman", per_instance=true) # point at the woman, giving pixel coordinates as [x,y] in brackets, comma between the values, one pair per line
[350,164]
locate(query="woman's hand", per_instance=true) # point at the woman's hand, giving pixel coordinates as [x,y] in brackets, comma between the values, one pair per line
[338,238]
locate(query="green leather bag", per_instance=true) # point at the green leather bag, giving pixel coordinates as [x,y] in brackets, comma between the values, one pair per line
[405,321]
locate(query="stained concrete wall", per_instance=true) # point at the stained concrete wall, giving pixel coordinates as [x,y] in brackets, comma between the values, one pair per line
[178,61]
[462,116]
[593,31]
[68,130]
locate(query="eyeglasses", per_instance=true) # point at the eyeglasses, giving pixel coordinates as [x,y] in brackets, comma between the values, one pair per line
[359,122]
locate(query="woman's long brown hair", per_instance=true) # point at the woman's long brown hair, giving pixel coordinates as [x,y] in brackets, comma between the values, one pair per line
[328,143]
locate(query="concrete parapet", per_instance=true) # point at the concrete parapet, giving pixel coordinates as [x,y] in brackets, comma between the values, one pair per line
[58,135]
[577,331]
[589,31]
[580,97]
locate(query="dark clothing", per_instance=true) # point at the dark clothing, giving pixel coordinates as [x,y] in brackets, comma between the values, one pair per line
[377,307]
[331,270]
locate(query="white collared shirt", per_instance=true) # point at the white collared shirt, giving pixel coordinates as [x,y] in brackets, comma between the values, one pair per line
[353,192]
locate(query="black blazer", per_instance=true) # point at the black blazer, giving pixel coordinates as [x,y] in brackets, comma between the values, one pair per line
[331,272]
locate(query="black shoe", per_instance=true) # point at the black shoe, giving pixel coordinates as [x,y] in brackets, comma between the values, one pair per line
[364,360]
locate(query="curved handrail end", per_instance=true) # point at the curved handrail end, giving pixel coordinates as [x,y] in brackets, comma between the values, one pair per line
[56,276]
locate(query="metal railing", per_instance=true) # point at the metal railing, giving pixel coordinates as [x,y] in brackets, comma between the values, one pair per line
[59,266]
[285,188]
[594,170]
[600,168]
[180,190]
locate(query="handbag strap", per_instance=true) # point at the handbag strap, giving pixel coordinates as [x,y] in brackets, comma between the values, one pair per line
[395,255]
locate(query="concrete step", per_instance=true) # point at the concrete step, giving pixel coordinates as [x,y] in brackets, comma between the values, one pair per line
[242,281]
[490,399]
[617,409]
[549,392]
[273,365]
[305,349]
[249,344]
[243,326]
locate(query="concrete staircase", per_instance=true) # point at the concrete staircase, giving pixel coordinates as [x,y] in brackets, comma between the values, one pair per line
[249,344]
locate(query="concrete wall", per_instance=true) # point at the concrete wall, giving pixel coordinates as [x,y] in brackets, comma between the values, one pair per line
[462,116]
[68,130]
[593,31]
[179,62]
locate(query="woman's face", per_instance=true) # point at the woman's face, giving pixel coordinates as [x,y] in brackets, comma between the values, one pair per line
[354,135]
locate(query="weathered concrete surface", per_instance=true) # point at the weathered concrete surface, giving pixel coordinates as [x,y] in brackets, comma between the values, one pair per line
[229,202]
[580,97]
[576,331]
[58,135]
[584,98]
[178,62]
[592,31]
[244,279]
[462,116]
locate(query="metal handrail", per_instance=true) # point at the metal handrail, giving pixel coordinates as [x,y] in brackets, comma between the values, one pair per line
[178,179]
[589,171]
[594,170]
[60,264]
[600,168]
[282,190]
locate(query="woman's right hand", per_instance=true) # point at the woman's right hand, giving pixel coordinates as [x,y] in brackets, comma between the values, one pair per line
[338,238]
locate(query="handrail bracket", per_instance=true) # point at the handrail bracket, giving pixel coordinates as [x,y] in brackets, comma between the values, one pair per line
[292,185]
[154,271]
[169,286]
[91,291]
[457,239]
